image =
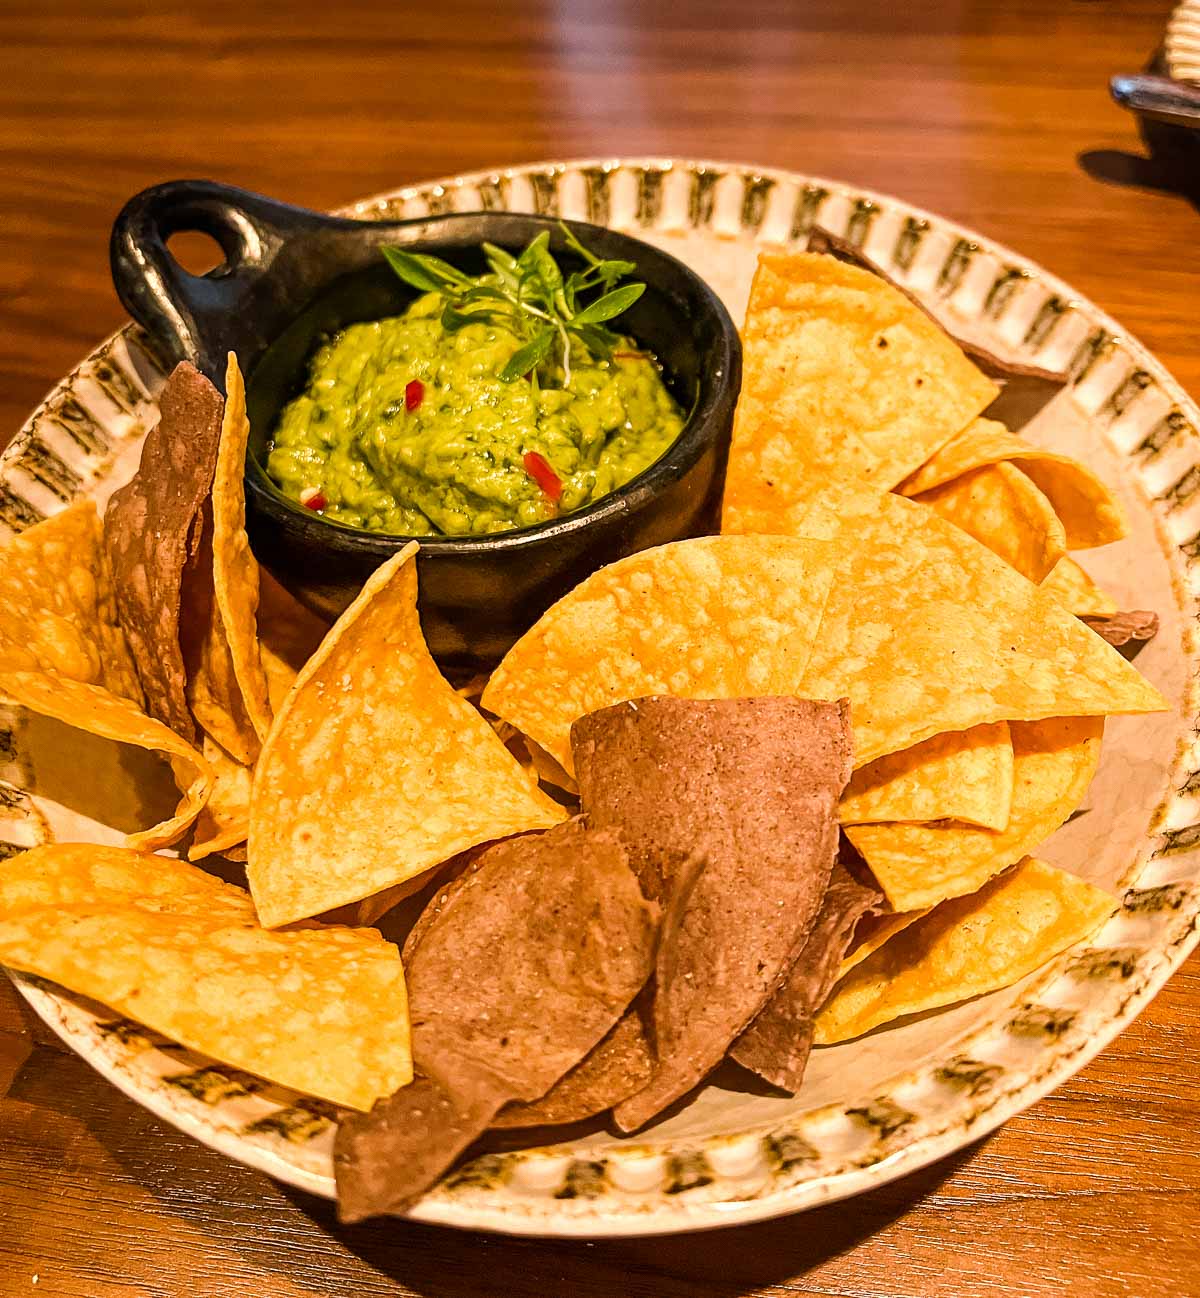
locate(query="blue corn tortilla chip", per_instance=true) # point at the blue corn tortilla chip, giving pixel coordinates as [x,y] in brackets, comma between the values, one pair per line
[528,959]
[746,790]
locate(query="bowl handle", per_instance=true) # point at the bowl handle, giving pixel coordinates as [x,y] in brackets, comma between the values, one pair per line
[198,317]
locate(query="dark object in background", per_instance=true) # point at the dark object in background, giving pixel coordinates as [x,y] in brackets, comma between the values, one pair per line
[291,275]
[1126,631]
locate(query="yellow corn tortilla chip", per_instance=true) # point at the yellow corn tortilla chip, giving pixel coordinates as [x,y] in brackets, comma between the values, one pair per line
[227,686]
[1089,512]
[967,947]
[1077,592]
[1003,509]
[844,379]
[224,820]
[873,932]
[375,769]
[96,711]
[86,874]
[715,617]
[964,775]
[321,1010]
[58,612]
[235,569]
[925,630]
[921,865]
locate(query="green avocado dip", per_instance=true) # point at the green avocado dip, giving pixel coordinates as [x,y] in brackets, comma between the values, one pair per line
[409,427]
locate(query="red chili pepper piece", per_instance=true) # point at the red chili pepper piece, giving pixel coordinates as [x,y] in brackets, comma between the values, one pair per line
[414,394]
[316,502]
[538,468]
[630,356]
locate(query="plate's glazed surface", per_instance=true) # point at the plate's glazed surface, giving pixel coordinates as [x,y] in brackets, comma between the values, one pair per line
[871,1109]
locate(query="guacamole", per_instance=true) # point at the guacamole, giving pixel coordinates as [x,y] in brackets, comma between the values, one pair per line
[405,427]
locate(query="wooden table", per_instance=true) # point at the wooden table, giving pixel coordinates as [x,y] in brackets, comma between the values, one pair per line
[994,113]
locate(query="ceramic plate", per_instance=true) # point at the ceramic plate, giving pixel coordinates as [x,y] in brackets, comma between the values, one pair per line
[1182,44]
[871,1109]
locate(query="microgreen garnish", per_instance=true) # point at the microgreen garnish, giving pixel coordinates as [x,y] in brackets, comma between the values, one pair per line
[529,295]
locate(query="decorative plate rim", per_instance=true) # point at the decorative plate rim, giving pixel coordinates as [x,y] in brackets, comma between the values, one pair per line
[1181,45]
[731,1179]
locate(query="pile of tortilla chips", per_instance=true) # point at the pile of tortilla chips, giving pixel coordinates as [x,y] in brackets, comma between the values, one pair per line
[728,798]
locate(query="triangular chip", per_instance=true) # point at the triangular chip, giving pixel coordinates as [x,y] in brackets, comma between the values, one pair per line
[58,612]
[375,769]
[96,711]
[152,529]
[1077,592]
[927,631]
[844,380]
[967,947]
[727,809]
[1089,512]
[227,686]
[875,931]
[962,775]
[225,820]
[321,1010]
[1003,509]
[529,959]
[921,865]
[777,1044]
[714,617]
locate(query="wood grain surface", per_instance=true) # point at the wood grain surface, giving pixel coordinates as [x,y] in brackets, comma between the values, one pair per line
[994,112]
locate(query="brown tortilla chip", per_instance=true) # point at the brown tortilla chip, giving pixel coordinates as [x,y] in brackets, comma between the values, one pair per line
[151,530]
[529,960]
[1025,389]
[776,1045]
[58,612]
[750,787]
[616,1067]
[1120,629]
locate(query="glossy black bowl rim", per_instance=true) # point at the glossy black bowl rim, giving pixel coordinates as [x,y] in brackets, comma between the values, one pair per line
[630,498]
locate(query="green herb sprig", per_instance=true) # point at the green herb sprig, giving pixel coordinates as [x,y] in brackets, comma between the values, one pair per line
[529,295]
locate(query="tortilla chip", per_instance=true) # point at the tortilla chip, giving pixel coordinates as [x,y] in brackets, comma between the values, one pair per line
[375,769]
[1026,388]
[843,379]
[617,1066]
[747,789]
[967,947]
[1076,591]
[714,617]
[97,712]
[962,775]
[58,612]
[921,865]
[321,1010]
[235,569]
[225,819]
[152,527]
[532,956]
[1124,629]
[1002,509]
[777,1044]
[873,932]
[1089,512]
[88,875]
[971,640]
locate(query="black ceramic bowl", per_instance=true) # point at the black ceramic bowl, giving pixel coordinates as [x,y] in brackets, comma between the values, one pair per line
[291,275]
